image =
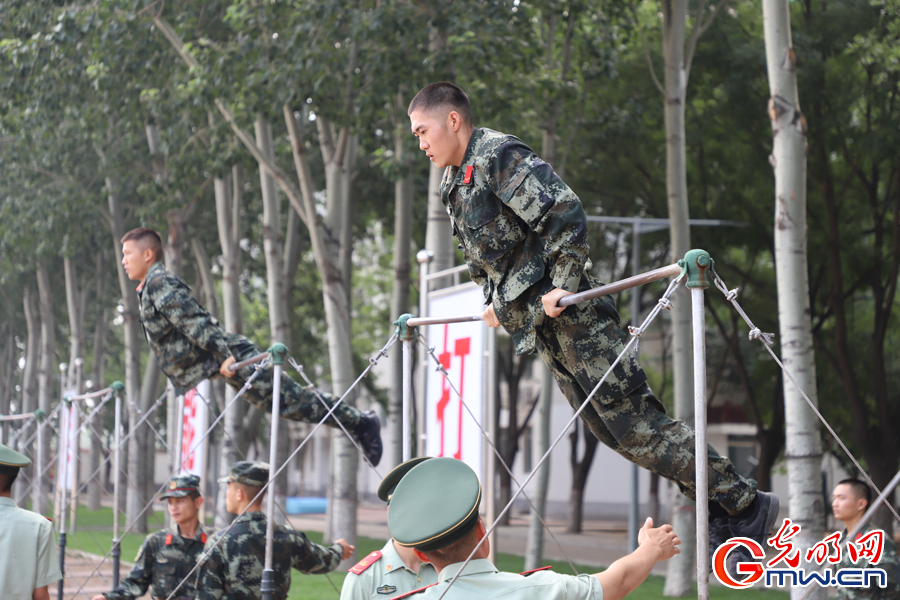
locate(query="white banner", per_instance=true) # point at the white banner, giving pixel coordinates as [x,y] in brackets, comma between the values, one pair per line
[450,428]
[193,427]
[71,442]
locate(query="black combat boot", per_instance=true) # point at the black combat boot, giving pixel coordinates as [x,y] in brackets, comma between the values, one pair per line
[368,434]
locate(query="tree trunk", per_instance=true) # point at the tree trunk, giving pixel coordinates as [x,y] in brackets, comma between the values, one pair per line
[94,487]
[277,293]
[400,290]
[534,550]
[133,342]
[680,567]
[47,367]
[580,471]
[76,335]
[229,198]
[803,445]
[29,377]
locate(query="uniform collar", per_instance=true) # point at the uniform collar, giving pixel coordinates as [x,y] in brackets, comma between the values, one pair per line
[452,174]
[177,538]
[253,515]
[4,501]
[154,268]
[392,559]
[475,567]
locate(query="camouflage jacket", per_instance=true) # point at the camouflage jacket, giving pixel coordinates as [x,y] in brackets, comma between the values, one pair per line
[521,228]
[187,341]
[233,569]
[889,562]
[165,558]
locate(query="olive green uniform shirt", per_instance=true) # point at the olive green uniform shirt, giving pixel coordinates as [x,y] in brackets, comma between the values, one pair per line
[387,577]
[28,558]
[164,560]
[889,562]
[482,580]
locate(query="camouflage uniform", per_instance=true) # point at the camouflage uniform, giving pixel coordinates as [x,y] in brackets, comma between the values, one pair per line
[524,233]
[191,346]
[234,567]
[889,562]
[164,560]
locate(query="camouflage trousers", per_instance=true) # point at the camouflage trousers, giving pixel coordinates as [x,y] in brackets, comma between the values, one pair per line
[298,402]
[578,347]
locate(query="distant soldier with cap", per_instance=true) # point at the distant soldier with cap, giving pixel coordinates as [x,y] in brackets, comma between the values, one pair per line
[394,569]
[166,557]
[28,559]
[234,564]
[434,510]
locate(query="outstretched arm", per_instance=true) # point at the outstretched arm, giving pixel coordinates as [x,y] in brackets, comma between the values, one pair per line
[624,575]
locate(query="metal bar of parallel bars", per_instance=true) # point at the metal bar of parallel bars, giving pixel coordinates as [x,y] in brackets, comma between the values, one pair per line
[672,270]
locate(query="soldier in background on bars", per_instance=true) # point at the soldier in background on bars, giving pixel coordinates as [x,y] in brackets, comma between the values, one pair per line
[166,557]
[235,558]
[524,235]
[190,347]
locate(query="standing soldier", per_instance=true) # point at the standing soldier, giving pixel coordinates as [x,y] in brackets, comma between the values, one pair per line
[524,236]
[234,562]
[394,569]
[434,511]
[849,501]
[190,347]
[166,557]
[28,559]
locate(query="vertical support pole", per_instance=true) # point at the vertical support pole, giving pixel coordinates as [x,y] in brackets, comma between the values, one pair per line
[700,452]
[699,266]
[490,487]
[424,257]
[62,467]
[38,483]
[407,398]
[635,322]
[118,386]
[73,501]
[267,586]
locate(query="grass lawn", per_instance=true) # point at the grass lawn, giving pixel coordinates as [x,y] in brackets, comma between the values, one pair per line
[94,534]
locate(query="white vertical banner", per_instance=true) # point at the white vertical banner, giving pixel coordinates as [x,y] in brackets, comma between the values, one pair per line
[450,429]
[193,426]
[71,443]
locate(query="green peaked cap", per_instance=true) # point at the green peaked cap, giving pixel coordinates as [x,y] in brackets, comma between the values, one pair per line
[390,481]
[435,504]
[11,458]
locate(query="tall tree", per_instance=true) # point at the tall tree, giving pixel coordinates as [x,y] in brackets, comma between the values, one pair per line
[803,448]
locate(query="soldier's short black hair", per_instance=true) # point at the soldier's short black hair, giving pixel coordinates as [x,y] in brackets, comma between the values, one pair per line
[148,237]
[7,478]
[443,94]
[455,552]
[859,488]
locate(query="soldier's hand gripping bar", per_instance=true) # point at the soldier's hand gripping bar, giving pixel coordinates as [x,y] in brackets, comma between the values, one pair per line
[249,361]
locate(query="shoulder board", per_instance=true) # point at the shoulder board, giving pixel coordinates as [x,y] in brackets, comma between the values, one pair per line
[169,540]
[527,573]
[407,594]
[365,563]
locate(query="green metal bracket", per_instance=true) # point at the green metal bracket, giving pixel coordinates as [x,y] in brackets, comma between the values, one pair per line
[404,332]
[118,388]
[699,267]
[39,415]
[279,352]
